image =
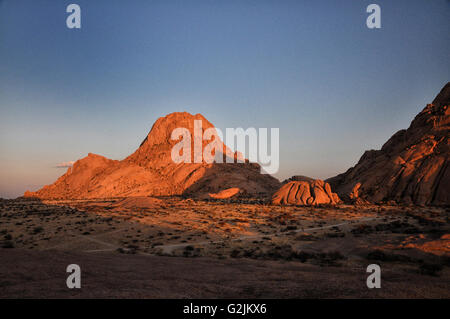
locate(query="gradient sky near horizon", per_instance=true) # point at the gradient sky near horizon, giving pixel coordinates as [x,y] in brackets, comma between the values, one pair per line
[312,68]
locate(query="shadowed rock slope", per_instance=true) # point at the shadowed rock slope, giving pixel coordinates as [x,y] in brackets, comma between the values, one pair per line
[150,171]
[411,167]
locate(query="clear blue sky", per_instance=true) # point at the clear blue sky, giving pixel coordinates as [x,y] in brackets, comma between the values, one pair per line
[312,68]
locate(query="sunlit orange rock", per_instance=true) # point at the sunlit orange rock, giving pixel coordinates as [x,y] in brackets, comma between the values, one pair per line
[305,192]
[150,171]
[412,167]
[226,193]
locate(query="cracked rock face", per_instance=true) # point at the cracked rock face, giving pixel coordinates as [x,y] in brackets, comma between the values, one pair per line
[305,192]
[411,167]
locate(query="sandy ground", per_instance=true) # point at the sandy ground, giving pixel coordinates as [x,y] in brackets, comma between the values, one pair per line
[178,248]
[34,274]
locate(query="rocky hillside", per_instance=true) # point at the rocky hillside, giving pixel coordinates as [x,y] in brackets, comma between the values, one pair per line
[411,167]
[151,171]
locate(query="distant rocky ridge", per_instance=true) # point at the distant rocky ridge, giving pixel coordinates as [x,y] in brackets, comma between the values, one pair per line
[412,167]
[150,171]
[298,178]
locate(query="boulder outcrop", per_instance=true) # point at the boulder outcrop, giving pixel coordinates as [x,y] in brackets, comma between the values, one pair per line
[412,167]
[226,193]
[305,192]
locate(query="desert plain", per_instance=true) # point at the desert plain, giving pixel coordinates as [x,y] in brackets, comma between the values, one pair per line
[177,247]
